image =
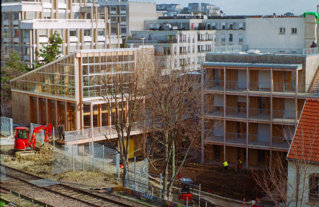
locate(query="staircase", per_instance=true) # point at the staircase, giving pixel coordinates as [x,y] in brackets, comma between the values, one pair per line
[314,83]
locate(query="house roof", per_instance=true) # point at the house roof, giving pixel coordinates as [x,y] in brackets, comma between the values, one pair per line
[305,144]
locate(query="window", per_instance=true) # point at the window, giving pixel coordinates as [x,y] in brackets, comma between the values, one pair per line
[88,15]
[282,30]
[73,33]
[293,30]
[241,38]
[223,26]
[314,187]
[87,32]
[123,8]
[230,37]
[241,25]
[230,26]
[100,33]
[223,37]
[123,18]
[113,19]
[123,30]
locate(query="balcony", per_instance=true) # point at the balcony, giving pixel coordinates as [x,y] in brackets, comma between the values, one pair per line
[259,114]
[235,138]
[280,143]
[236,112]
[214,85]
[258,141]
[260,87]
[285,116]
[236,86]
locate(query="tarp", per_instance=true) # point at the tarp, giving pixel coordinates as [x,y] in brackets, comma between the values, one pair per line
[312,13]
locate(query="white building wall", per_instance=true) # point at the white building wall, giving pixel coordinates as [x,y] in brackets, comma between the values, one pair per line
[264,32]
[306,171]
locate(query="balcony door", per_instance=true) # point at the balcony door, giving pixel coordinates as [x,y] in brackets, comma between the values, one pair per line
[218,77]
[264,105]
[289,80]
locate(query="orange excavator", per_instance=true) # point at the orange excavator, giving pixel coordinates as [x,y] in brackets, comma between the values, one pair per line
[23,141]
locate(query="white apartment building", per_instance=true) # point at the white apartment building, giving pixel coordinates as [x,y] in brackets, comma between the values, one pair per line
[177,50]
[132,14]
[288,33]
[209,9]
[81,24]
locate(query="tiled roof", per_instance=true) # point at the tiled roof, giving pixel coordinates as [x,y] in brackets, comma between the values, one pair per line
[257,65]
[305,145]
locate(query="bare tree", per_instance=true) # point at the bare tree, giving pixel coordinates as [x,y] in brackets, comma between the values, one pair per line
[124,93]
[174,116]
[288,181]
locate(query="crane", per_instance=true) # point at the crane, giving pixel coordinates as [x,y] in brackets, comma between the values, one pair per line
[24,142]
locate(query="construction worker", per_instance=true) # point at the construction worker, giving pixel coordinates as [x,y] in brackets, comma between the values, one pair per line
[62,131]
[225,166]
[239,166]
[59,131]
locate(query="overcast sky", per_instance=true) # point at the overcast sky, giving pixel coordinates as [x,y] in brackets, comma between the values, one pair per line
[253,7]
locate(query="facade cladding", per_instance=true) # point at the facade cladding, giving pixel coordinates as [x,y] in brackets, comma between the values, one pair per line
[257,103]
[70,90]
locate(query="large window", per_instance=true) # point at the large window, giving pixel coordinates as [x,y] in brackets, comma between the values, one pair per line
[314,187]
[87,32]
[73,33]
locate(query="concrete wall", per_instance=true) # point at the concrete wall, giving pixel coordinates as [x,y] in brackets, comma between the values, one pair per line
[21,106]
[264,32]
[305,172]
[312,65]
[138,13]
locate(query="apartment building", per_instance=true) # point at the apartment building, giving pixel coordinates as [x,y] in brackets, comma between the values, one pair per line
[70,89]
[286,32]
[169,9]
[176,50]
[257,101]
[230,30]
[81,23]
[208,9]
[131,14]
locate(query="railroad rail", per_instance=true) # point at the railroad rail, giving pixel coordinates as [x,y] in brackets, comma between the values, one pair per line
[65,190]
[17,199]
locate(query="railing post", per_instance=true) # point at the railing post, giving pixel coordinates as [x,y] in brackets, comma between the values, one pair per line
[118,165]
[73,157]
[93,156]
[83,159]
[103,158]
[135,173]
[199,195]
[53,140]
[161,185]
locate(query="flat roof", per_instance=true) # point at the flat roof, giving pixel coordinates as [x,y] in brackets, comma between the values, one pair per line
[254,65]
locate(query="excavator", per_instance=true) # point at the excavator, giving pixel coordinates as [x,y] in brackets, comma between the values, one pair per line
[23,141]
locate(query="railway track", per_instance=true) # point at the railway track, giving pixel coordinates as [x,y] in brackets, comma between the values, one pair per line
[16,199]
[70,192]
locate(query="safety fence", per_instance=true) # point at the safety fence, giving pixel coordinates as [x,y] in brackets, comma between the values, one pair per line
[40,136]
[153,188]
[6,126]
[93,156]
[3,175]
[137,176]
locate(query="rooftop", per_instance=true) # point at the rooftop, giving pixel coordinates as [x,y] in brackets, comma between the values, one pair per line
[254,65]
[305,144]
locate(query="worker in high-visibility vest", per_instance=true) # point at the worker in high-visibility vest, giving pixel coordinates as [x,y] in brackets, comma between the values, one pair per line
[239,166]
[225,166]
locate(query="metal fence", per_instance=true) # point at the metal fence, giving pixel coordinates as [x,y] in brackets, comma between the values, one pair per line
[40,136]
[94,156]
[137,176]
[3,176]
[6,126]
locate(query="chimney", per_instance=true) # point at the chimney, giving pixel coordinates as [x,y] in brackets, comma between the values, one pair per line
[318,8]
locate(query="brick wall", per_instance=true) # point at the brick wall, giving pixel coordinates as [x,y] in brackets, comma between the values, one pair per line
[20,108]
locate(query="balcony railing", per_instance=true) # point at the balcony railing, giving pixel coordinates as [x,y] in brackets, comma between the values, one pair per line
[258,140]
[263,87]
[239,112]
[235,138]
[280,142]
[259,113]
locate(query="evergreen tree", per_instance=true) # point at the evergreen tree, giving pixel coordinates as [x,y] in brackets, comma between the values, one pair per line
[13,68]
[50,51]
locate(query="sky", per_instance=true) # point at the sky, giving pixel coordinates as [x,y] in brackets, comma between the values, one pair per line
[254,7]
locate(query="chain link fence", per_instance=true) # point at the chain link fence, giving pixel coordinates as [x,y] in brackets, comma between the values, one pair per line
[137,176]
[6,126]
[40,136]
[92,156]
[3,175]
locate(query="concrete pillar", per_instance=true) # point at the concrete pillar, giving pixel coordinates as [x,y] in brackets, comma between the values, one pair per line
[66,116]
[271,113]
[91,119]
[47,111]
[224,70]
[296,99]
[247,117]
[39,110]
[202,119]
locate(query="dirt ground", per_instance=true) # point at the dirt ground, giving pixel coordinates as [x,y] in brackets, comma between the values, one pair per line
[41,164]
[213,180]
